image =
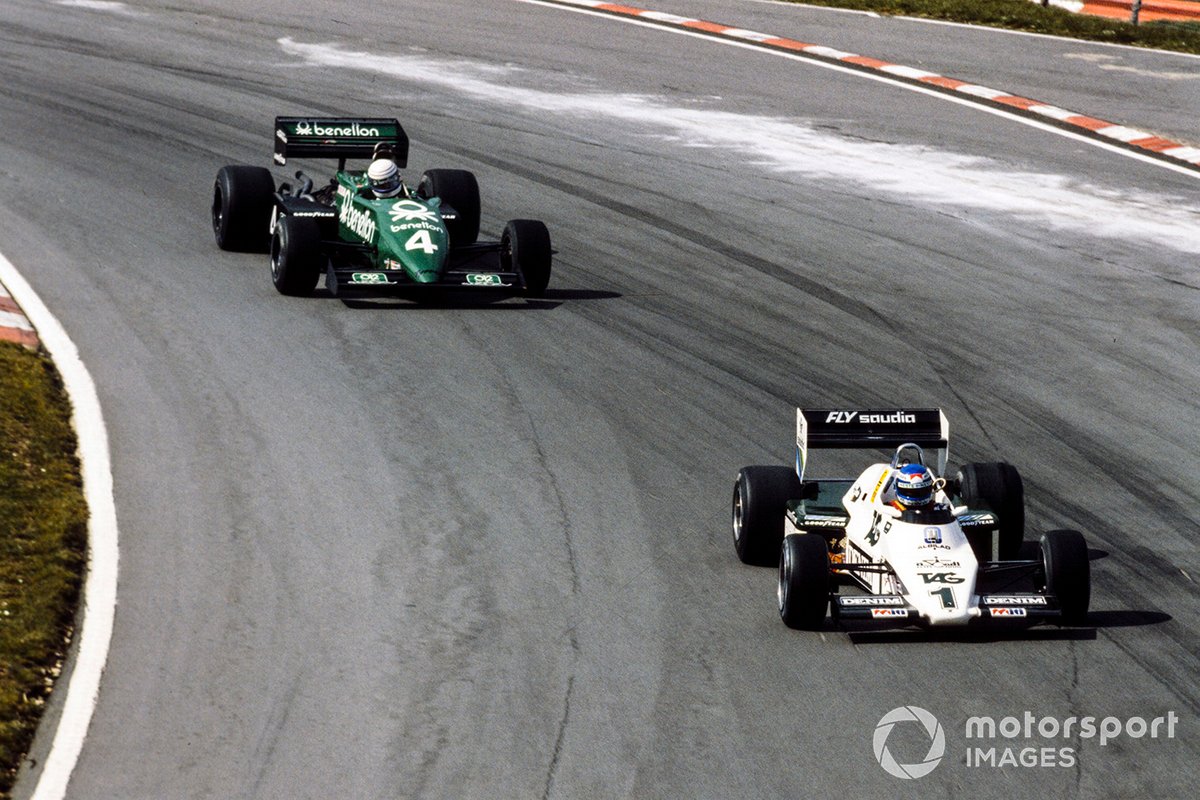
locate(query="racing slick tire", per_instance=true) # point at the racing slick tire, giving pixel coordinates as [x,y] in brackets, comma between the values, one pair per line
[525,249]
[998,486]
[1068,573]
[243,198]
[296,256]
[458,189]
[760,497]
[804,581]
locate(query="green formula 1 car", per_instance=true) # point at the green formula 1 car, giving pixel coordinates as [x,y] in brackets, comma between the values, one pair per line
[369,234]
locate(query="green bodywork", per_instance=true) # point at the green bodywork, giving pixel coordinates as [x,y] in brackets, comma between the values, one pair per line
[406,233]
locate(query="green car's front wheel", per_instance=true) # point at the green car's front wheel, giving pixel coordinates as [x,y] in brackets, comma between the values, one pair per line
[296,257]
[525,249]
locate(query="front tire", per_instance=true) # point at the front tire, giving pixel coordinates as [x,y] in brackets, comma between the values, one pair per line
[458,189]
[997,486]
[525,249]
[760,497]
[296,256]
[1068,573]
[243,198]
[804,581]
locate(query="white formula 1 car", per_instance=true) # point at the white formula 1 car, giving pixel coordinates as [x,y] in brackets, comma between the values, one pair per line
[952,561]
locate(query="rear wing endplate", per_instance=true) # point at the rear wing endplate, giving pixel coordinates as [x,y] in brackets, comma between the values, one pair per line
[338,137]
[873,428]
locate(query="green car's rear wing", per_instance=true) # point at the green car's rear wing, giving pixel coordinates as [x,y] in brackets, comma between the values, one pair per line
[338,137]
[873,428]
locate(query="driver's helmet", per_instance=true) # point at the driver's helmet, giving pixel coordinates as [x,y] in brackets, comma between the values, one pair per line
[914,486]
[384,177]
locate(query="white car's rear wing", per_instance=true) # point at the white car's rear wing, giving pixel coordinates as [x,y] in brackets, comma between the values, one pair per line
[873,428]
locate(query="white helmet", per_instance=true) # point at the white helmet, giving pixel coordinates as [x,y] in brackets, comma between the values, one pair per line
[384,177]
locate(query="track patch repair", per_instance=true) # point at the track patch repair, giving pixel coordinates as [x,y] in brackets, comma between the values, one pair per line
[962,185]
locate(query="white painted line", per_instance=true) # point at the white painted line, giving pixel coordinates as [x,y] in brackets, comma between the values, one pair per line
[100,587]
[883,78]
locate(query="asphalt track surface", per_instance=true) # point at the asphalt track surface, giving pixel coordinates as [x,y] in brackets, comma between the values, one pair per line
[478,549]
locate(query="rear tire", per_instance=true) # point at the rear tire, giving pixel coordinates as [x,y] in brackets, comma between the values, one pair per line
[1068,573]
[760,497]
[996,486]
[804,581]
[296,256]
[243,199]
[525,249]
[458,189]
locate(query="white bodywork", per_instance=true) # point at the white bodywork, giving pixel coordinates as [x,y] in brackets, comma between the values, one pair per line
[933,564]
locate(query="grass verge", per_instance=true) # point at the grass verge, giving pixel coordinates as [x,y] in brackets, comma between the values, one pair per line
[1023,15]
[43,541]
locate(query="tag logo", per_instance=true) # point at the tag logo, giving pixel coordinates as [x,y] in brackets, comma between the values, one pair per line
[941,577]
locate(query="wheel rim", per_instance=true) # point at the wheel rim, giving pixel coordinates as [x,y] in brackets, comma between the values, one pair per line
[737,514]
[217,215]
[785,568]
[1043,577]
[275,250]
[506,253]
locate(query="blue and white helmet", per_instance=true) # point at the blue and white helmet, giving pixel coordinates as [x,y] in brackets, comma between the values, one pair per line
[914,486]
[384,177]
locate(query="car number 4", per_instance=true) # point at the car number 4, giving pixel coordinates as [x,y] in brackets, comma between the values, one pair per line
[421,241]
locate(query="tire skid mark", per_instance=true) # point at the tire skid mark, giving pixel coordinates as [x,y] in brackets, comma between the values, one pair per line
[562,733]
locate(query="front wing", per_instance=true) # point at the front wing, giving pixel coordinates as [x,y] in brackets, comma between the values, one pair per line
[470,268]
[1018,606]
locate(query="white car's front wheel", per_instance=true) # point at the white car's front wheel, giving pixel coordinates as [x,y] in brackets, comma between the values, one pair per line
[1068,573]
[804,581]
